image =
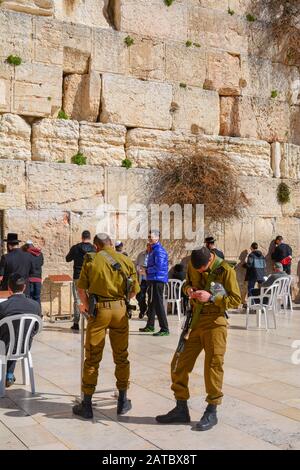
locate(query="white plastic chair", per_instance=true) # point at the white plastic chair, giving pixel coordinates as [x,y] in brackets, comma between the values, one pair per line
[267,302]
[21,347]
[284,293]
[172,295]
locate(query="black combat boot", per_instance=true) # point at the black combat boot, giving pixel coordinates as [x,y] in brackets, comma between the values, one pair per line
[84,409]
[179,414]
[124,404]
[209,418]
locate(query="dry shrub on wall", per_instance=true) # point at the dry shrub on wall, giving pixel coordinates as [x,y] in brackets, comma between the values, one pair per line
[204,180]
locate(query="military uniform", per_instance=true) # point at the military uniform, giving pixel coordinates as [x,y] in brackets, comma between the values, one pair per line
[98,277]
[209,332]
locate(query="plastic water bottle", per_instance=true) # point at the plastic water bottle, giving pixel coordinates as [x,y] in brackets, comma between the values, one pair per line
[217,289]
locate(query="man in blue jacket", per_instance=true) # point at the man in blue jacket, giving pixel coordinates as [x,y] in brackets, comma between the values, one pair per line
[157,276]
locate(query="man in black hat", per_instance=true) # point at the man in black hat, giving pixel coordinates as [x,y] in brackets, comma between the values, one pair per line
[210,244]
[15,261]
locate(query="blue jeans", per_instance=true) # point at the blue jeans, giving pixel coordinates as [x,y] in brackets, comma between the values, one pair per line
[35,291]
[10,369]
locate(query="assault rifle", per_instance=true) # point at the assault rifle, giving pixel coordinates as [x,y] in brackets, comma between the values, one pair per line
[185,329]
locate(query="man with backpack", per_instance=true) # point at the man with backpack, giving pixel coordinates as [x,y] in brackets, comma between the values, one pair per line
[256,267]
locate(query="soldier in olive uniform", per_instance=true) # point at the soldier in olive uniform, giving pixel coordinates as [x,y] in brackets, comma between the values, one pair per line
[99,277]
[208,331]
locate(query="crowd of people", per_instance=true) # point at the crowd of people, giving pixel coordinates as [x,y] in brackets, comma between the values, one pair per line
[104,281]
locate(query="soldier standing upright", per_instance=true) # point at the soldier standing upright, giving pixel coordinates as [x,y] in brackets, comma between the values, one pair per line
[208,331]
[103,280]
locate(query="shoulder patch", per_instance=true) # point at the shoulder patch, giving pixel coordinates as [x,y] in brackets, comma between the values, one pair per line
[90,256]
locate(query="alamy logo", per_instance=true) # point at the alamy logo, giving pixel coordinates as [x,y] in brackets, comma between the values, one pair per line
[295,357]
[135,220]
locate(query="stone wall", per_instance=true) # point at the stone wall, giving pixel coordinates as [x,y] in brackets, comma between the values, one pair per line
[147,82]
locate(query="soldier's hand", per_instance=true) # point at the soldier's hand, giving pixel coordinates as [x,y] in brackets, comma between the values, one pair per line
[201,295]
[84,308]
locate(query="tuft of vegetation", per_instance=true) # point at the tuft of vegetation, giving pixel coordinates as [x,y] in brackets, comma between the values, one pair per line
[61,161]
[14,60]
[250,17]
[274,94]
[188,43]
[49,98]
[129,41]
[230,11]
[182,85]
[283,193]
[127,163]
[177,182]
[79,159]
[62,115]
[196,44]
[168,2]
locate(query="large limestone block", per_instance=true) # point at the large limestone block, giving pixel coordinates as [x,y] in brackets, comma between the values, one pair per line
[88,12]
[197,110]
[54,140]
[5,95]
[262,77]
[16,35]
[217,29]
[131,184]
[81,97]
[102,144]
[147,59]
[135,103]
[12,176]
[255,118]
[14,138]
[80,221]
[48,229]
[241,7]
[295,125]
[110,53]
[33,7]
[148,147]
[223,73]
[77,41]
[154,19]
[290,161]
[64,186]
[185,64]
[238,236]
[262,195]
[48,41]
[247,157]
[37,89]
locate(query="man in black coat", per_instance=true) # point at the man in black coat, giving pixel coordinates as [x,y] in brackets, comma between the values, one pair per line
[210,244]
[76,254]
[16,304]
[15,261]
[282,254]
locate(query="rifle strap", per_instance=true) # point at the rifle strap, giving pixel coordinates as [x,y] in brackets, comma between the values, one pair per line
[115,265]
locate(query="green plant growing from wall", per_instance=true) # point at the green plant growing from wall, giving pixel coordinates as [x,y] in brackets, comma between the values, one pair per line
[230,11]
[14,60]
[126,163]
[79,159]
[188,43]
[129,41]
[283,193]
[250,18]
[182,85]
[49,98]
[274,94]
[196,44]
[61,161]
[168,2]
[62,115]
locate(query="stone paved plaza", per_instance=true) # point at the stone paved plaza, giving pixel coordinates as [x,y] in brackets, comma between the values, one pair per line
[261,407]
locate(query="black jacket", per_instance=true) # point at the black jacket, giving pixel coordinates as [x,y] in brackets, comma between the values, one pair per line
[272,278]
[218,253]
[17,261]
[37,259]
[256,266]
[281,251]
[76,254]
[15,305]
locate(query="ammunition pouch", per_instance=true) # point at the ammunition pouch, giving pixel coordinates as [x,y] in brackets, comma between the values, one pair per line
[93,300]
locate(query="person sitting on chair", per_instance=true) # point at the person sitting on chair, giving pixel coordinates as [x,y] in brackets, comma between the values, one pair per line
[16,304]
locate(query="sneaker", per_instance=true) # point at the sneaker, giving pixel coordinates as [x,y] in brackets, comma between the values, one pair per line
[161,333]
[147,329]
[10,381]
[75,327]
